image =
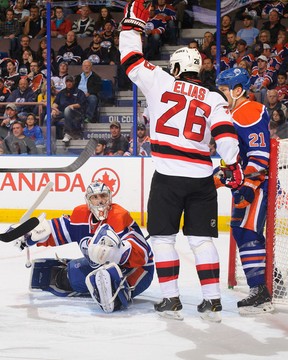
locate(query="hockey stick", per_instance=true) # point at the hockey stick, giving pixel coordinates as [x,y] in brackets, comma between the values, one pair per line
[28,213]
[87,152]
[20,230]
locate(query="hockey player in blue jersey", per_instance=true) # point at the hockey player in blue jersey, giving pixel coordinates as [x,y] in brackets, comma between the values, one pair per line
[251,122]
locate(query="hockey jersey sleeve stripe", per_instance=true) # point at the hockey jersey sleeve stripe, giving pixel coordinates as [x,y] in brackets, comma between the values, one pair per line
[225,129]
[131,60]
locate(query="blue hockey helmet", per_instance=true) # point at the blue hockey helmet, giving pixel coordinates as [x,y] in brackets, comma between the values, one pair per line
[233,77]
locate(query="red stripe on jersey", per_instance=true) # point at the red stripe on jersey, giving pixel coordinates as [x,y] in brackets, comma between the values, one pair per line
[132,53]
[166,264]
[188,150]
[202,267]
[226,135]
[132,66]
[166,156]
[167,278]
[221,123]
[134,277]
[59,236]
[253,258]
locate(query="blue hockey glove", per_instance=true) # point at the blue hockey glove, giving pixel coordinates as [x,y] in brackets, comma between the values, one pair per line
[243,197]
[136,14]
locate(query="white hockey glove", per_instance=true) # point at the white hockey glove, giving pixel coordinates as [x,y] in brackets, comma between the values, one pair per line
[39,234]
[136,14]
[106,247]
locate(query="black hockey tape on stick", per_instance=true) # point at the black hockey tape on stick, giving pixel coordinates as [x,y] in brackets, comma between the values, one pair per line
[20,230]
[87,152]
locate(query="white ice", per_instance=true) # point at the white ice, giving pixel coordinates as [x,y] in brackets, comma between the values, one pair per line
[40,326]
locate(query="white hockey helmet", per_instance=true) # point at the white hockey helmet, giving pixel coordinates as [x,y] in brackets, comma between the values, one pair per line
[100,206]
[187,60]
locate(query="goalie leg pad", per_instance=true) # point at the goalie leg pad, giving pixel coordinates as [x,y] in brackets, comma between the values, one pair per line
[108,288]
[50,275]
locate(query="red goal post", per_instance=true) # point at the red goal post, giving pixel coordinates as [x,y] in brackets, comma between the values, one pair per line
[276,229]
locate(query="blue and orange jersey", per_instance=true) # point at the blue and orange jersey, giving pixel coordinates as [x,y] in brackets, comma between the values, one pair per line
[81,226]
[251,121]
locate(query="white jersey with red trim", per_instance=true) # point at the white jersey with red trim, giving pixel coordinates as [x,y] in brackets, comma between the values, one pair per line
[183,116]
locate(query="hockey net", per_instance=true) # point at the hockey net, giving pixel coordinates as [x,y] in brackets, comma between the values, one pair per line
[276,230]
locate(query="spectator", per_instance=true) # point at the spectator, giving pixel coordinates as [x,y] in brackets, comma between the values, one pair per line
[42,47]
[208,72]
[35,77]
[169,14]
[35,26]
[124,83]
[226,26]
[273,26]
[71,51]
[107,35]
[194,44]
[20,13]
[24,45]
[273,103]
[154,32]
[248,32]
[43,64]
[17,142]
[34,131]
[97,54]
[231,46]
[4,94]
[258,75]
[100,147]
[103,17]
[12,78]
[244,64]
[278,118]
[70,105]
[84,26]
[24,64]
[208,39]
[42,98]
[282,87]
[143,142]
[10,29]
[59,25]
[10,116]
[23,94]
[273,5]
[117,144]
[90,83]
[59,79]
[253,9]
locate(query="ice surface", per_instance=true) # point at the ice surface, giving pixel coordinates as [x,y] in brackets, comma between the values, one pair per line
[40,326]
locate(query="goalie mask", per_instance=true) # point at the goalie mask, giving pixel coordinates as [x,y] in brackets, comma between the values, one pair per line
[99,198]
[186,60]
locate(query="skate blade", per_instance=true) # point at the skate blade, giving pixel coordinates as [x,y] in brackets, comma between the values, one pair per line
[211,316]
[175,315]
[256,310]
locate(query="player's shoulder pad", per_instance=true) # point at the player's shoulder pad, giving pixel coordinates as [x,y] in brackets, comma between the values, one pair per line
[80,214]
[250,113]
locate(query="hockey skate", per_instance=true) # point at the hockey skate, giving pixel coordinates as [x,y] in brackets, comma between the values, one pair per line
[210,310]
[169,308]
[257,302]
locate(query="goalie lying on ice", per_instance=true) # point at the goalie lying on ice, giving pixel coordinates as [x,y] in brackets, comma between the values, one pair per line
[117,264]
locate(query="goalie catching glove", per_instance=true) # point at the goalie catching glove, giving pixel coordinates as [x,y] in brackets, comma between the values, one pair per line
[233,176]
[40,233]
[136,14]
[107,247]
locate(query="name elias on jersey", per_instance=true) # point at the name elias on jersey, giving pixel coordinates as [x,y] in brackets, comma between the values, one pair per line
[192,90]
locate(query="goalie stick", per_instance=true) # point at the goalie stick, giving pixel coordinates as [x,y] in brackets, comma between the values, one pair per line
[20,230]
[28,213]
[87,152]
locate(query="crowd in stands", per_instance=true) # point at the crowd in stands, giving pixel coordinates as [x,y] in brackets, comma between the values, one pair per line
[256,38]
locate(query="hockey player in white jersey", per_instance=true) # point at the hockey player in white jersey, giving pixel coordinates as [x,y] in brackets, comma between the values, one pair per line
[183,117]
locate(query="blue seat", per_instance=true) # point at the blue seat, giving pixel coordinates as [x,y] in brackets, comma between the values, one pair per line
[107,93]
